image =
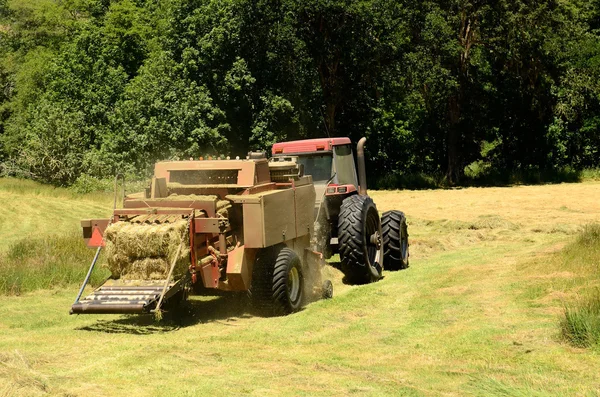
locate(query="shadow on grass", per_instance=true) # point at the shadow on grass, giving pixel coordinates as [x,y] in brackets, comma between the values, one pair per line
[226,308]
[336,264]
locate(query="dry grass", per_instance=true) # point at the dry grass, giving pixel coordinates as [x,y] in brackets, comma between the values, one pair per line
[475,314]
[23,380]
[443,220]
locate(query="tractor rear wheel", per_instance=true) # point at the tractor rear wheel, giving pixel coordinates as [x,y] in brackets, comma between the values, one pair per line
[395,240]
[277,281]
[360,241]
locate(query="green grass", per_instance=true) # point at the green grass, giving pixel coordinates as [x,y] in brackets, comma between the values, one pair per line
[46,263]
[40,235]
[477,313]
[581,323]
[31,210]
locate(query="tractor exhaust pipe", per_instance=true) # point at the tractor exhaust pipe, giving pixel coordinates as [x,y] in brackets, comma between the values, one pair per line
[362,171]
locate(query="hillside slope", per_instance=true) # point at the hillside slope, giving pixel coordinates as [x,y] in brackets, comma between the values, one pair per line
[32,210]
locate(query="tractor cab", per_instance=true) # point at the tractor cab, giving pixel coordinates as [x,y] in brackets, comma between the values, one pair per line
[330,162]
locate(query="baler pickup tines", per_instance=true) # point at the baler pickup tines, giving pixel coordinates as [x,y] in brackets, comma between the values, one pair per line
[125,297]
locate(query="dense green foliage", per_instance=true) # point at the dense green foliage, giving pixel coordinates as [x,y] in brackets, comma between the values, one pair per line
[439,87]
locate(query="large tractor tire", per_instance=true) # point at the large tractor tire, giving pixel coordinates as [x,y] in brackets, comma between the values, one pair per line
[395,240]
[360,242]
[277,281]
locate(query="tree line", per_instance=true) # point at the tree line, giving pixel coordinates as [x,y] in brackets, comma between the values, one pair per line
[453,87]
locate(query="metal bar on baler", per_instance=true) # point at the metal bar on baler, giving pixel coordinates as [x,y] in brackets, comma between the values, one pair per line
[109,308]
[89,274]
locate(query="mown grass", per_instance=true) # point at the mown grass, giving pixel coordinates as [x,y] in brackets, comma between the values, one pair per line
[46,263]
[476,313]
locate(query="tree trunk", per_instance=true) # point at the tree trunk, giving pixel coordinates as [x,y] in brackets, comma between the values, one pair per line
[453,171]
[467,38]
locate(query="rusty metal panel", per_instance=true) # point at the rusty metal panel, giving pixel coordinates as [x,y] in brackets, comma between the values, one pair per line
[164,205]
[246,169]
[262,172]
[305,213]
[210,275]
[254,224]
[260,188]
[244,199]
[158,188]
[279,216]
[152,211]
[246,175]
[206,225]
[239,268]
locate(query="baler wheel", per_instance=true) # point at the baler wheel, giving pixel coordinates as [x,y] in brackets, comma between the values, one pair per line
[327,290]
[360,240]
[395,240]
[277,281]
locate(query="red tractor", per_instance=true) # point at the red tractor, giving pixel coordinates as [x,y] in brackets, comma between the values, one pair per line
[347,220]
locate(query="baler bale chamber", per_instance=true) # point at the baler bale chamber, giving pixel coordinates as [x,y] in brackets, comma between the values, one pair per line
[247,226]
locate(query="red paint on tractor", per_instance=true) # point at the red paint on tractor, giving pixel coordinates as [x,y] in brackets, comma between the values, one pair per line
[309,145]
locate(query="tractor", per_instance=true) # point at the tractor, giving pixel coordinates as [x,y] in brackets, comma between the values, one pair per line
[256,226]
[347,221]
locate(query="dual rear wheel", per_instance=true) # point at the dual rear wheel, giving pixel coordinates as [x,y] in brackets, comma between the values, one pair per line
[368,244]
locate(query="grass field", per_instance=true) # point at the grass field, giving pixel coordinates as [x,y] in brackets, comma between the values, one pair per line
[477,313]
[34,210]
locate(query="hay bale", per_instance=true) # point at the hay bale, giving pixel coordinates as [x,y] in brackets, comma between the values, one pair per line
[146,251]
[187,197]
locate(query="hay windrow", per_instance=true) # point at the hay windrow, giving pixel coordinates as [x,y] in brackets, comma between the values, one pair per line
[146,251]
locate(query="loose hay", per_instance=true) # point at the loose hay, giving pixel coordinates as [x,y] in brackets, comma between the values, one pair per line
[146,251]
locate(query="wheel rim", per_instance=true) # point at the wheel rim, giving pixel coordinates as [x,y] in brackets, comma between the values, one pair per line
[373,234]
[404,245]
[294,285]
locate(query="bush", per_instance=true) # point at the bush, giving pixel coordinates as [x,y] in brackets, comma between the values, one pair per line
[410,181]
[54,139]
[86,184]
[591,174]
[89,184]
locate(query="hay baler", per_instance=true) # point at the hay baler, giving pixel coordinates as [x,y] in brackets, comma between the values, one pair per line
[249,227]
